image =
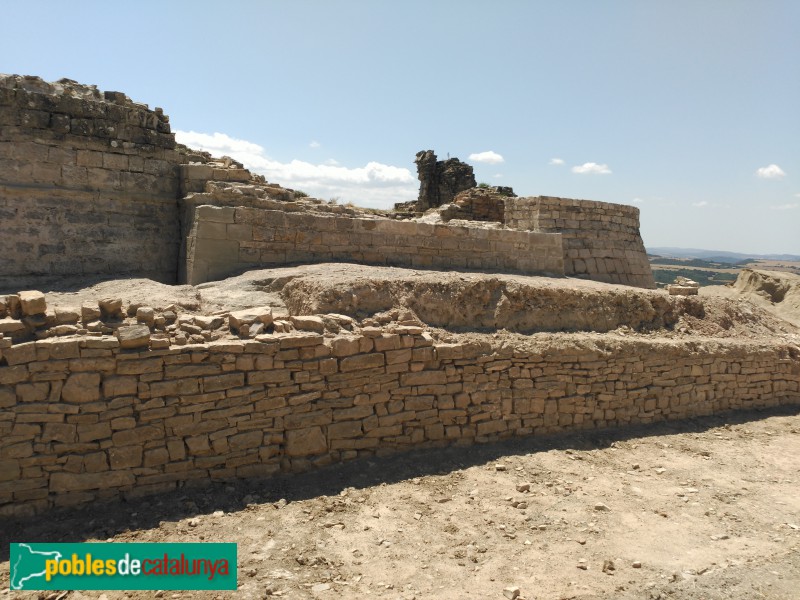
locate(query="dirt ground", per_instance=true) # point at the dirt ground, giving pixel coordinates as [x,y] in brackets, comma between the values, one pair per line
[702,509]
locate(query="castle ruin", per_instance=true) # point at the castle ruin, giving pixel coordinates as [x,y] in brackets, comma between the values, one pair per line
[103,402]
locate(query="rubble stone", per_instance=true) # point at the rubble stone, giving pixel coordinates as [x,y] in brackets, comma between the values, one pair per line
[32,303]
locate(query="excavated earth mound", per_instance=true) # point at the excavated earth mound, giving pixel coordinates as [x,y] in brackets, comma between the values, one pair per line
[456,301]
[777,292]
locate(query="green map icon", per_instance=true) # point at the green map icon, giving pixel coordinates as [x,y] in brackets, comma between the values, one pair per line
[28,565]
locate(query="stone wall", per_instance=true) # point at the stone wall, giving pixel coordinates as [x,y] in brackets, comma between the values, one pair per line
[601,240]
[83,421]
[88,183]
[226,240]
[479,204]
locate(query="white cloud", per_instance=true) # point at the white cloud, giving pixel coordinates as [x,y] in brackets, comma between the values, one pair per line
[770,172]
[637,200]
[314,144]
[375,184]
[786,206]
[498,175]
[332,161]
[700,204]
[490,157]
[591,168]
[556,161]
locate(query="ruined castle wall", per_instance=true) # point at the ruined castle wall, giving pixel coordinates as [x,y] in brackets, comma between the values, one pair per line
[601,240]
[83,421]
[88,183]
[226,240]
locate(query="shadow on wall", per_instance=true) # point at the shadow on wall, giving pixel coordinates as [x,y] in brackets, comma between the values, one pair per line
[119,517]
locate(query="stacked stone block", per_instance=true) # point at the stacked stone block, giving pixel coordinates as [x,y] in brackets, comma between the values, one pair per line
[227,240]
[84,420]
[88,183]
[601,240]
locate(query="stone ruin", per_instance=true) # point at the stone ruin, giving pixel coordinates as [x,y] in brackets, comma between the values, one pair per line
[441,180]
[108,401]
[92,183]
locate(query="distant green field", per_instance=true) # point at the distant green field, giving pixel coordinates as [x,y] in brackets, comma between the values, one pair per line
[698,262]
[701,276]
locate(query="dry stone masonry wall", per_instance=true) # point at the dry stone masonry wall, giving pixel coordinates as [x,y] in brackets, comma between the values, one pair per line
[601,240]
[83,420]
[88,183]
[228,240]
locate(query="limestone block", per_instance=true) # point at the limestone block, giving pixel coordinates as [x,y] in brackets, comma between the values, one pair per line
[146,315]
[111,308]
[67,315]
[59,432]
[9,470]
[218,214]
[345,429]
[208,322]
[133,336]
[308,323]
[9,306]
[89,314]
[361,361]
[73,482]
[11,326]
[81,388]
[249,316]
[682,290]
[243,441]
[304,442]
[119,386]
[33,392]
[32,303]
[7,397]
[423,378]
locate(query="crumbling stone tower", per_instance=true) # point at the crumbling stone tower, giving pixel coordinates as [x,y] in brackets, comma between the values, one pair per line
[441,180]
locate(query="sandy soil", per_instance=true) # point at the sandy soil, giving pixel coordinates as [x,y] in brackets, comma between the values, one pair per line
[704,509]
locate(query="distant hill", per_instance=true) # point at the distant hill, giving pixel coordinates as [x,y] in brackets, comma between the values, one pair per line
[718,255]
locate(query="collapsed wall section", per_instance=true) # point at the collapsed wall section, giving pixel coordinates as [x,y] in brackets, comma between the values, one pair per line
[601,240]
[88,183]
[83,421]
[226,240]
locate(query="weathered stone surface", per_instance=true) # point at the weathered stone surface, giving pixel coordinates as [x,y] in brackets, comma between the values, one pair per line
[683,290]
[146,315]
[361,361]
[306,442]
[261,314]
[208,322]
[89,313]
[308,323]
[32,303]
[11,326]
[217,406]
[134,336]
[9,306]
[81,388]
[111,308]
[72,482]
[67,315]
[440,181]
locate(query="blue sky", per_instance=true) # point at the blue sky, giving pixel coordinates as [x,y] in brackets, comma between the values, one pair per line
[687,109]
